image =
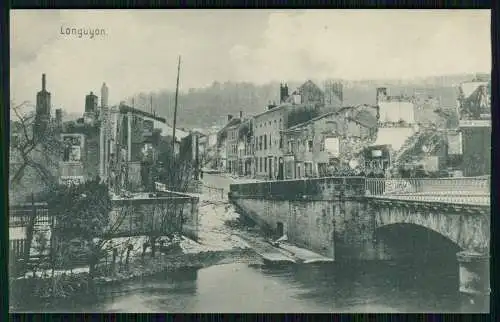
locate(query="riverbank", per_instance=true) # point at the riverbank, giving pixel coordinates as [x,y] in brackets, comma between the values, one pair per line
[68,287]
[216,245]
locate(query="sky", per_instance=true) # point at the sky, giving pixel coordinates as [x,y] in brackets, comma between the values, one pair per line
[140,48]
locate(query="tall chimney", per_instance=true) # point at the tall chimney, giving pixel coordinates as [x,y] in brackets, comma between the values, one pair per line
[104,95]
[43,82]
[241,114]
[282,93]
[59,116]
[381,94]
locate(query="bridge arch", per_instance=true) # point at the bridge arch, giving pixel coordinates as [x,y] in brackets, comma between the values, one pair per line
[409,240]
[466,231]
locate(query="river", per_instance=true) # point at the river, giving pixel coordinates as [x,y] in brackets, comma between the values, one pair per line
[359,287]
[315,288]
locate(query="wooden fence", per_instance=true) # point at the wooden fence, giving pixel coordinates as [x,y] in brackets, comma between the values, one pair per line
[214,193]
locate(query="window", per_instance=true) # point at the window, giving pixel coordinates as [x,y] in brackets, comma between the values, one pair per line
[265,165]
[310,145]
[270,141]
[265,142]
[281,142]
[260,164]
[260,143]
[322,169]
[308,169]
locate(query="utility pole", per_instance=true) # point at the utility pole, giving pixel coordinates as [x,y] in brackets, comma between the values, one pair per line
[175,112]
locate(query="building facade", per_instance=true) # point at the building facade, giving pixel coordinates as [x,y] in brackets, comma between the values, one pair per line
[314,146]
[474,109]
[245,148]
[232,149]
[268,142]
[304,104]
[226,147]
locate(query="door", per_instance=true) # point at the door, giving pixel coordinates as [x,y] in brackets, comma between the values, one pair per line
[270,168]
[280,170]
[279,229]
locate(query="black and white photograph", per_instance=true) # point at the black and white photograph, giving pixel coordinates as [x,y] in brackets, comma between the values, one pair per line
[249,161]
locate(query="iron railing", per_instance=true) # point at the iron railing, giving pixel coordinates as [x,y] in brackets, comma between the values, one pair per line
[19,215]
[435,186]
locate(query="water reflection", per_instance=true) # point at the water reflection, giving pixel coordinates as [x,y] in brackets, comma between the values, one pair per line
[333,287]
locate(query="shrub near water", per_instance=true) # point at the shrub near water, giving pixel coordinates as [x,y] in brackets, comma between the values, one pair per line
[82,213]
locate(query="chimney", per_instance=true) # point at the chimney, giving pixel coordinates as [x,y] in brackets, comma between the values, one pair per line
[59,116]
[381,94]
[43,82]
[229,117]
[104,95]
[283,92]
[241,114]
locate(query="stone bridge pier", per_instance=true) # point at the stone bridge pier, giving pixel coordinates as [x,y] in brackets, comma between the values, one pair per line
[465,227]
[334,217]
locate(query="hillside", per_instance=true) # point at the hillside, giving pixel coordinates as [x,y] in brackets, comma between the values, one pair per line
[203,107]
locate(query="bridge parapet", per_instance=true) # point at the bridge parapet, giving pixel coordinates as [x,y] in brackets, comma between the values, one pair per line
[313,188]
[436,186]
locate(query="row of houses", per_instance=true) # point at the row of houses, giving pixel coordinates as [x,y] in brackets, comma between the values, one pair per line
[119,144]
[308,136]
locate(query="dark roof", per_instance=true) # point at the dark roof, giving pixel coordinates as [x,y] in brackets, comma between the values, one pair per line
[310,121]
[354,119]
[233,121]
[126,109]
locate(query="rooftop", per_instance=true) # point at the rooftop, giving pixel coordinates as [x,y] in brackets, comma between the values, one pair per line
[126,109]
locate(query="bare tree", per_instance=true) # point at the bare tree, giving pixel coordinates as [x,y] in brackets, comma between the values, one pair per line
[167,221]
[84,212]
[37,151]
[31,154]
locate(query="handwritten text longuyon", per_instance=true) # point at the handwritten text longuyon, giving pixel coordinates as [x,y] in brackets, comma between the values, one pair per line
[91,33]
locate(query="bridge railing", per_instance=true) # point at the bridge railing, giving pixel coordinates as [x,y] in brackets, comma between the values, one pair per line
[430,186]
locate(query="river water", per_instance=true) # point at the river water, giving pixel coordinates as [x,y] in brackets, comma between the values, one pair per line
[314,288]
[429,285]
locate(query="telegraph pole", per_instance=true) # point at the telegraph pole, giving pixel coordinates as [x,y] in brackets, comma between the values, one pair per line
[175,111]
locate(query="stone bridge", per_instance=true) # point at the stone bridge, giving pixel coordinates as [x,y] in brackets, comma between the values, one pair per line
[357,218]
